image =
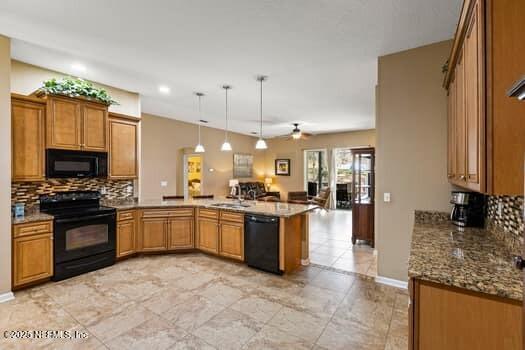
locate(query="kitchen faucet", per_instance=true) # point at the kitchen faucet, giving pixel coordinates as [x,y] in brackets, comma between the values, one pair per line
[239,196]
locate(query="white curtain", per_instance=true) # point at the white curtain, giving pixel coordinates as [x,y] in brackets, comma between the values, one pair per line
[332,173]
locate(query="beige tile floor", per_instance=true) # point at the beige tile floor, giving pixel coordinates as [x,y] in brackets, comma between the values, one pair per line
[193,301]
[331,244]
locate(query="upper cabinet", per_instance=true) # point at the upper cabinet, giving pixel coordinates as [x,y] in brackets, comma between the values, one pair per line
[28,125]
[486,132]
[123,146]
[76,124]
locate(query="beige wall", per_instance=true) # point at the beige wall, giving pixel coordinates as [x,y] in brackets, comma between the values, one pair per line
[5,160]
[411,149]
[293,150]
[164,141]
[26,78]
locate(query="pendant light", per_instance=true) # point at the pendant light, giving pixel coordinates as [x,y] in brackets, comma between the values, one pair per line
[199,148]
[261,144]
[226,145]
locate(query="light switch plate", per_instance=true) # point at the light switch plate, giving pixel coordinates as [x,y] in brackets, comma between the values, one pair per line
[386,197]
[164,184]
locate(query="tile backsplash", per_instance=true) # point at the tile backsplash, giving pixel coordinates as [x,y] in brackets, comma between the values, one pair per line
[505,218]
[28,192]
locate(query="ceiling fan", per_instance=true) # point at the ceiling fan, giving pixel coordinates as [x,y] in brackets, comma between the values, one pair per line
[297,134]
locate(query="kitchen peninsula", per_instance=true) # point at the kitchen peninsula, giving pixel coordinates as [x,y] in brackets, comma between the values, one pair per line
[213,226]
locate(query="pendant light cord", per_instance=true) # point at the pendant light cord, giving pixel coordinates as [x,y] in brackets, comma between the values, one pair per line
[200,118]
[226,131]
[261,109]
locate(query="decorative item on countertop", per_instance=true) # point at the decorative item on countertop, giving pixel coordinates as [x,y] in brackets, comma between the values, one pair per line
[282,167]
[19,210]
[76,87]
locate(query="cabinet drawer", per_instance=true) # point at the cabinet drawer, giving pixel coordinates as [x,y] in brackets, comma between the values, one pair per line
[208,213]
[232,216]
[126,215]
[163,213]
[32,228]
[181,212]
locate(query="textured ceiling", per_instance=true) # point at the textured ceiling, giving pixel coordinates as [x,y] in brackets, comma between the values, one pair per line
[320,55]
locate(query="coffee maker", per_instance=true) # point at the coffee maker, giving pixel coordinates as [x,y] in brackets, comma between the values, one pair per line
[468,209]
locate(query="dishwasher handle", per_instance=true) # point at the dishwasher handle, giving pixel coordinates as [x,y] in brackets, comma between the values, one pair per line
[261,219]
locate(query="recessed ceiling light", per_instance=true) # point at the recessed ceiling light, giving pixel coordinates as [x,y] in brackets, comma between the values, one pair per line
[78,67]
[163,89]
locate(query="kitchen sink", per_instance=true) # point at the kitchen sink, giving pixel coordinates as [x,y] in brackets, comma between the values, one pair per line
[231,205]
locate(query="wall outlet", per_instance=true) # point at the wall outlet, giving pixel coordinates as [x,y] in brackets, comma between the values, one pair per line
[386,197]
[164,184]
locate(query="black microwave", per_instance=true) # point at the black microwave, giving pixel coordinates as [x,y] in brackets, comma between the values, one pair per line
[63,163]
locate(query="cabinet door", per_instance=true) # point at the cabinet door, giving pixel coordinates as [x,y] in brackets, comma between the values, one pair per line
[32,258]
[122,149]
[94,127]
[27,141]
[451,164]
[64,123]
[180,233]
[474,106]
[208,235]
[231,240]
[126,238]
[153,235]
[461,122]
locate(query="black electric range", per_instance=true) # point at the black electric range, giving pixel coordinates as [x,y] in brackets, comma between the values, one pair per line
[84,232]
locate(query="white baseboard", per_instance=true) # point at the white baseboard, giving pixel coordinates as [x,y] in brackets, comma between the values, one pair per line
[6,297]
[392,282]
[305,262]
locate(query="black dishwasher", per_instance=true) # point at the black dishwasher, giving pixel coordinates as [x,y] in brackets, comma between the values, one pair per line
[261,242]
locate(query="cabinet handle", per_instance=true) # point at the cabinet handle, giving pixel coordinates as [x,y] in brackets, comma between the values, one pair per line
[450,176]
[462,177]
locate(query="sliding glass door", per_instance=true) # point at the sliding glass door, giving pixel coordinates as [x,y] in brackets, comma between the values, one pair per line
[343,180]
[315,170]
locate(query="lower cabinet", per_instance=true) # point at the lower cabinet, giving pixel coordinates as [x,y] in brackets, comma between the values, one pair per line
[442,317]
[221,233]
[126,234]
[231,240]
[166,230]
[209,235]
[154,234]
[32,253]
[180,233]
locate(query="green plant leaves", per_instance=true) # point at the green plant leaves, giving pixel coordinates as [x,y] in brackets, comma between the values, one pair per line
[74,87]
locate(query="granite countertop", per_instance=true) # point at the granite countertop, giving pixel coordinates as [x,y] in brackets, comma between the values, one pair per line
[255,207]
[32,215]
[473,259]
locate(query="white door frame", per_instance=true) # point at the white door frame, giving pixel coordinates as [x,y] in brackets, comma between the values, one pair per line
[185,172]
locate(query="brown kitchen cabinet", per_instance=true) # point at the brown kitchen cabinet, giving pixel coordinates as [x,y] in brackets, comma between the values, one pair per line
[162,230]
[486,128]
[28,138]
[443,317]
[231,235]
[123,146]
[208,235]
[126,233]
[180,233]
[76,124]
[32,253]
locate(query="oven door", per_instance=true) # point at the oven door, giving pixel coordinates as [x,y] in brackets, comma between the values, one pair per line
[76,238]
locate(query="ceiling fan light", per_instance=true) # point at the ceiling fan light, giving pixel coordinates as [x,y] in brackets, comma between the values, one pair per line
[199,148]
[226,146]
[296,135]
[261,144]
